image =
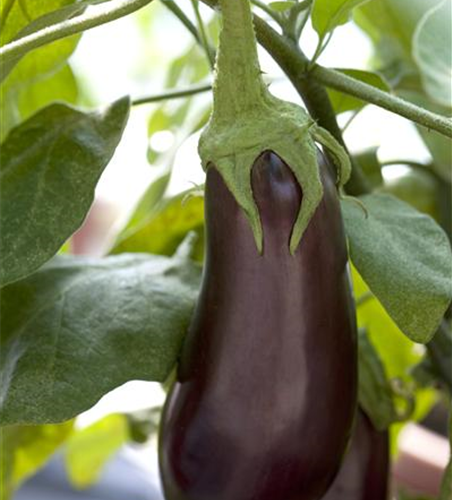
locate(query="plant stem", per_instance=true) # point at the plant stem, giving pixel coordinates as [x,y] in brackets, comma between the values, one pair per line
[98,14]
[238,85]
[287,55]
[305,20]
[180,14]
[268,10]
[348,85]
[204,40]
[293,30]
[347,124]
[173,94]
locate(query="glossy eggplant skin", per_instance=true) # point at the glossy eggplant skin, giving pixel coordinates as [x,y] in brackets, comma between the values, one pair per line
[265,396]
[364,474]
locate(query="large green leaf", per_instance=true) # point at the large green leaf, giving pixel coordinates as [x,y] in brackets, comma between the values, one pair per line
[80,327]
[49,167]
[344,102]
[24,449]
[405,259]
[89,449]
[432,51]
[329,14]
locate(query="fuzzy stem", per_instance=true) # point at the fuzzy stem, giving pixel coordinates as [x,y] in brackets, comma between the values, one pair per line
[239,85]
[173,94]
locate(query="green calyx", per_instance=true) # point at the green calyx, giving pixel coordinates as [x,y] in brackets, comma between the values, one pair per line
[247,120]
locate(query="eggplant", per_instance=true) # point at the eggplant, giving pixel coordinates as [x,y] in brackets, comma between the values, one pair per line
[364,475]
[265,395]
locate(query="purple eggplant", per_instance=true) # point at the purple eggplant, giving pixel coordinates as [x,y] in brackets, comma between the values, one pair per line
[266,389]
[364,475]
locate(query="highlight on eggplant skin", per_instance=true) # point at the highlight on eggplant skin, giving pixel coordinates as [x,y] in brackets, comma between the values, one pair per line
[364,474]
[266,390]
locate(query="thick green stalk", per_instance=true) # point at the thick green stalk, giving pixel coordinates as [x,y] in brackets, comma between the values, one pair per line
[239,85]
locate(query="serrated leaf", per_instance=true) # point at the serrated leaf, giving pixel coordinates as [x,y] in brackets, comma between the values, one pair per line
[374,389]
[49,168]
[432,51]
[89,449]
[80,327]
[329,14]
[25,449]
[343,102]
[405,259]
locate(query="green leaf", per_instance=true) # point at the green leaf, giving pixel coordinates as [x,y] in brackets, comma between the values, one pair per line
[49,168]
[88,450]
[282,6]
[60,86]
[343,102]
[375,392]
[25,449]
[15,15]
[80,327]
[162,231]
[405,259]
[391,24]
[150,199]
[329,14]
[33,68]
[44,58]
[432,51]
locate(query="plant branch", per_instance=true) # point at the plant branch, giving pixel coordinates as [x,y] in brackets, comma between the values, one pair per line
[348,85]
[268,10]
[172,6]
[98,14]
[288,56]
[173,94]
[203,35]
